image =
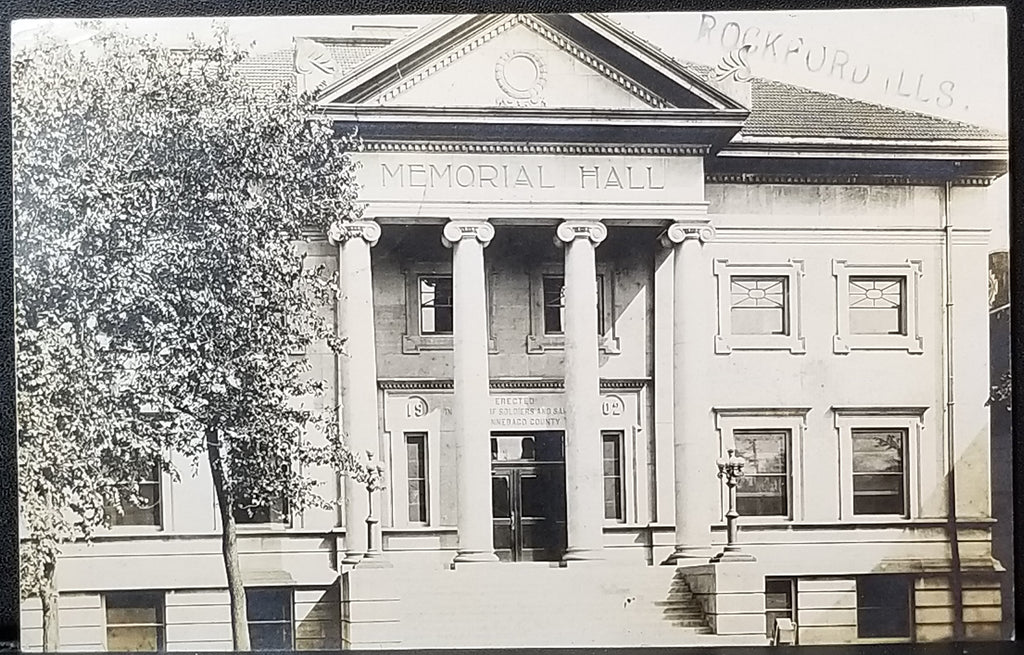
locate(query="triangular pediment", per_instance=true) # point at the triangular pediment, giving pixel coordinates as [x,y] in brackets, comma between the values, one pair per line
[534,61]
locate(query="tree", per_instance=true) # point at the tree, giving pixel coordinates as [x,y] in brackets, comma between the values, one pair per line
[183,198]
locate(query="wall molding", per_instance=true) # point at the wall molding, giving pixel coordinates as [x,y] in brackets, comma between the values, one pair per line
[418,384]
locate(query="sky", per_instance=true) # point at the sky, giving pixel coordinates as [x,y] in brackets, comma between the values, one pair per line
[947,62]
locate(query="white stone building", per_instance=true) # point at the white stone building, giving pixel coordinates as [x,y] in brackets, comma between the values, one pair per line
[793,275]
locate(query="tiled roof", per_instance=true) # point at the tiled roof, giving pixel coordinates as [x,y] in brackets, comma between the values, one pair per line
[779,109]
[791,111]
[271,70]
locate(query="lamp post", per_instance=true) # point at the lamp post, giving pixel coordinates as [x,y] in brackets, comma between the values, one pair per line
[373,479]
[731,469]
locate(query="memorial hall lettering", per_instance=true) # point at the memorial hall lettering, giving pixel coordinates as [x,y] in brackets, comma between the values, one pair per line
[512,176]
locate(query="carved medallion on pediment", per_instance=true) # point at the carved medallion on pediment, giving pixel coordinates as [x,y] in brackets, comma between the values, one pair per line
[521,75]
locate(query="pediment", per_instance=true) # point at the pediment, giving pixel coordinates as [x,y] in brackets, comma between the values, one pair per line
[530,61]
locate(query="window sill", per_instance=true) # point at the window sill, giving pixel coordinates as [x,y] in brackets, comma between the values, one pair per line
[128,530]
[725,344]
[413,344]
[844,343]
[537,344]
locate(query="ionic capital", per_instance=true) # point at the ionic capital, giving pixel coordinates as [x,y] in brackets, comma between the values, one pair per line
[367,230]
[456,230]
[571,230]
[680,231]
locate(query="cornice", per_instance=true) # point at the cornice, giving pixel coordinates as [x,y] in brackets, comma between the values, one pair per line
[596,64]
[654,150]
[410,384]
[762,178]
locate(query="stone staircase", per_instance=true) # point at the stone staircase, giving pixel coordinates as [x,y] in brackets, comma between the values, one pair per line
[537,605]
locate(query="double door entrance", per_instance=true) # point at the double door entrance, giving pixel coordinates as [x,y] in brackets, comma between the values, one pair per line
[528,495]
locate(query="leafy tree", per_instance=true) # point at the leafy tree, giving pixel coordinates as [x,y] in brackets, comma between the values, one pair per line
[162,207]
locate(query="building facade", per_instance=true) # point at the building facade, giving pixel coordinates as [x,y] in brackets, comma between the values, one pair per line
[793,276]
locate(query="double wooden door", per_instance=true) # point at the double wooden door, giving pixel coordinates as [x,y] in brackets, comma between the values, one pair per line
[528,503]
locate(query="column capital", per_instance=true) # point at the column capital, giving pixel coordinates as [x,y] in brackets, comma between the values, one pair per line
[594,230]
[458,229]
[680,231]
[340,232]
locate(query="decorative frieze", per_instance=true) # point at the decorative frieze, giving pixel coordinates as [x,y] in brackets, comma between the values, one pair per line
[655,150]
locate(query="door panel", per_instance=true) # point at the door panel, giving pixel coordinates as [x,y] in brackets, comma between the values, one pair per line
[501,510]
[529,512]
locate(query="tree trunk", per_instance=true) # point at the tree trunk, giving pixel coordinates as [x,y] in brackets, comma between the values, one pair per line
[48,598]
[229,545]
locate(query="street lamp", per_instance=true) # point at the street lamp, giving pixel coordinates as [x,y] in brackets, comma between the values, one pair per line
[731,469]
[373,478]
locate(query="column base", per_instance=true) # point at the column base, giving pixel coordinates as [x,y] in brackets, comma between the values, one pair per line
[687,555]
[352,558]
[583,555]
[474,556]
[373,560]
[732,554]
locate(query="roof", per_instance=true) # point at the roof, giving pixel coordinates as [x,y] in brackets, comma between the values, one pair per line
[778,109]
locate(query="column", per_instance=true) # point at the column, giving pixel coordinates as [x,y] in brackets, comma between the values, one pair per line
[584,472]
[358,369]
[694,443]
[471,411]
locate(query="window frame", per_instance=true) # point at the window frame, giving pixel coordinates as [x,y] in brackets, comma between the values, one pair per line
[426,491]
[793,605]
[420,305]
[620,438]
[910,609]
[726,341]
[791,420]
[845,340]
[539,341]
[904,438]
[161,614]
[413,341]
[287,518]
[787,475]
[908,419]
[162,485]
[290,592]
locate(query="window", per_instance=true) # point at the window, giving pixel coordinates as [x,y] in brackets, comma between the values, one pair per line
[763,490]
[879,478]
[612,449]
[249,512]
[769,439]
[416,462]
[145,512]
[554,304]
[435,302]
[879,473]
[759,306]
[884,607]
[779,601]
[877,305]
[270,618]
[547,313]
[135,621]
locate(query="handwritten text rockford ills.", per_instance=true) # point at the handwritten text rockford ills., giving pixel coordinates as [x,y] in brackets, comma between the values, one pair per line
[512,176]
